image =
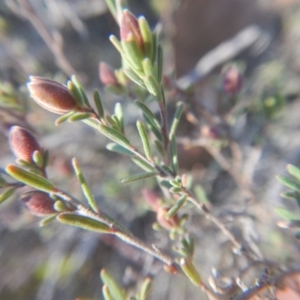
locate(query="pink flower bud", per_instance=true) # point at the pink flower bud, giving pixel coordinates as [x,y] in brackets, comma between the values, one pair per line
[130,29]
[212,132]
[166,223]
[23,143]
[107,75]
[232,80]
[38,203]
[51,95]
[151,198]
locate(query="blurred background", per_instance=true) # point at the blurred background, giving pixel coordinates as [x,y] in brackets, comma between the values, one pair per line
[57,38]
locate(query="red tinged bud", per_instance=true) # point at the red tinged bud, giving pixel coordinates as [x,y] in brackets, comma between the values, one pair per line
[39,203]
[130,30]
[23,143]
[51,95]
[107,75]
[232,80]
[166,223]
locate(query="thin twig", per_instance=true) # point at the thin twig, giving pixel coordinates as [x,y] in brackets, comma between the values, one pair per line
[118,230]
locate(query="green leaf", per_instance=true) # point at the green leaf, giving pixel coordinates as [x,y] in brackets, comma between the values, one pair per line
[79,117]
[176,207]
[133,54]
[147,66]
[38,158]
[114,135]
[146,35]
[288,195]
[106,293]
[119,115]
[153,128]
[154,46]
[148,113]
[134,77]
[142,164]
[84,186]
[174,156]
[115,290]
[6,194]
[64,118]
[190,271]
[119,149]
[200,194]
[47,220]
[80,88]
[175,190]
[33,180]
[176,119]
[99,104]
[75,93]
[159,64]
[116,43]
[294,171]
[152,86]
[160,148]
[289,182]
[286,214]
[83,222]
[145,289]
[144,137]
[139,176]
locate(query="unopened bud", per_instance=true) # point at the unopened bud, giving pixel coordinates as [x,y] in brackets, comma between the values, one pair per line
[39,203]
[107,75]
[23,143]
[214,132]
[130,29]
[169,224]
[232,80]
[51,95]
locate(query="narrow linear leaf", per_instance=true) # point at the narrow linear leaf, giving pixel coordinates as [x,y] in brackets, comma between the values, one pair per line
[142,164]
[144,137]
[116,43]
[146,35]
[286,214]
[134,77]
[289,182]
[99,104]
[145,289]
[190,271]
[200,194]
[294,171]
[84,186]
[148,113]
[114,135]
[174,156]
[160,148]
[83,222]
[119,149]
[152,87]
[139,176]
[106,293]
[47,220]
[115,290]
[133,54]
[5,195]
[153,128]
[159,63]
[176,207]
[30,179]
[154,46]
[75,93]
[288,195]
[175,190]
[176,120]
[79,117]
[80,88]
[147,66]
[64,118]
[119,114]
